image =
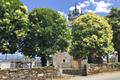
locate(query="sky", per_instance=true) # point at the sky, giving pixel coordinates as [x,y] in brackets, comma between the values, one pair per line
[101,7]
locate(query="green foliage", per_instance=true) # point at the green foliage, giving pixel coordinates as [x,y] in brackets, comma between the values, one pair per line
[91,34]
[48,33]
[13,24]
[114,20]
[117,63]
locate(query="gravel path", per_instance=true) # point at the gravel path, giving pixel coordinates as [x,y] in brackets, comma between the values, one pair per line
[101,76]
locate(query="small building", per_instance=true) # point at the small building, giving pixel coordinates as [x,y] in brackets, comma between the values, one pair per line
[65,60]
[66,64]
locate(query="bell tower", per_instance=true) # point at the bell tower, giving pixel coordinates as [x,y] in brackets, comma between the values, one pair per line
[74,14]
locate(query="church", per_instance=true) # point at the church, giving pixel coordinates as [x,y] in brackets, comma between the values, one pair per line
[74,14]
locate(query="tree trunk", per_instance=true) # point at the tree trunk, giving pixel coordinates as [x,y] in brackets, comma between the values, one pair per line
[118,55]
[107,58]
[43,60]
[90,59]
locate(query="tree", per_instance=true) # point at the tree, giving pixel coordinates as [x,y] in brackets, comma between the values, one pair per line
[48,34]
[114,20]
[13,24]
[92,35]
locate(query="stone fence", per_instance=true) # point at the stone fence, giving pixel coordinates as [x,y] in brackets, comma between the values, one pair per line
[29,74]
[99,68]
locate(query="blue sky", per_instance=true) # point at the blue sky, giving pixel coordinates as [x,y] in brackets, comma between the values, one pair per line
[101,7]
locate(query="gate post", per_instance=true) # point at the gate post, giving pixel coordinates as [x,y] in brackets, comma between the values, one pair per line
[84,70]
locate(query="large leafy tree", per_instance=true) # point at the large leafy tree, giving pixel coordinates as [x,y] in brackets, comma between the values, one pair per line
[114,20]
[92,35]
[48,34]
[13,24]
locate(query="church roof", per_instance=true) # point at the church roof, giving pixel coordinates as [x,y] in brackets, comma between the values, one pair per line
[74,13]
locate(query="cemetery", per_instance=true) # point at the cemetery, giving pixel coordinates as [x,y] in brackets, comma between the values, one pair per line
[54,45]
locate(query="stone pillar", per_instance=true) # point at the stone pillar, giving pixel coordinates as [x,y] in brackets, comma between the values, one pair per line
[84,70]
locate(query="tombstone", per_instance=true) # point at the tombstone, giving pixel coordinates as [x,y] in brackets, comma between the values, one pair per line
[62,60]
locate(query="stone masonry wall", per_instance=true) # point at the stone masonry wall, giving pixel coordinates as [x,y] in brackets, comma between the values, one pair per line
[28,74]
[99,68]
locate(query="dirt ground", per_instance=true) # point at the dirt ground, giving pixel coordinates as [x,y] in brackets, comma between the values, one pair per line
[100,76]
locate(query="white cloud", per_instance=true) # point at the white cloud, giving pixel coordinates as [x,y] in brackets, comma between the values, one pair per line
[102,3]
[84,4]
[73,7]
[87,3]
[87,10]
[102,7]
[63,14]
[92,1]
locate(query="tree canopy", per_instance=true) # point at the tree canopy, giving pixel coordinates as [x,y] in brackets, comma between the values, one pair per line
[91,34]
[13,24]
[47,34]
[114,20]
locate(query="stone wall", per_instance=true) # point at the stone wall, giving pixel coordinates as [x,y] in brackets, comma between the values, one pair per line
[99,68]
[28,74]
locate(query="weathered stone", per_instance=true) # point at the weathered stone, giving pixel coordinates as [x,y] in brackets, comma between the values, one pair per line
[99,68]
[28,74]
[62,60]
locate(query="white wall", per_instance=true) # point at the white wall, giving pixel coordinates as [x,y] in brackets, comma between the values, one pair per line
[5,65]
